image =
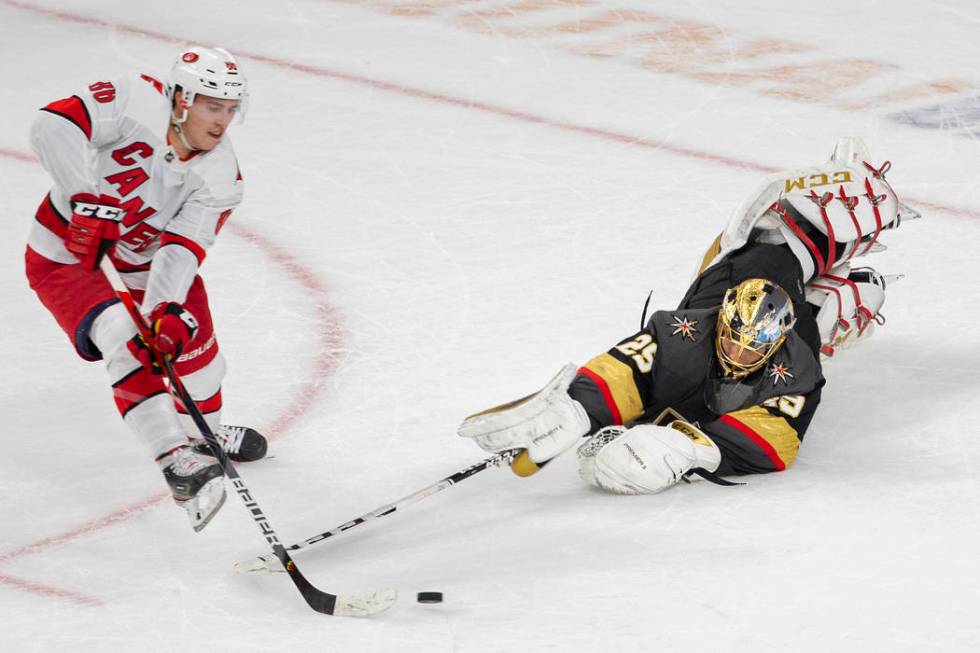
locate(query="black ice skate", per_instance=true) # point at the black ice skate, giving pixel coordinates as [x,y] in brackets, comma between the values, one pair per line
[197,483]
[242,444]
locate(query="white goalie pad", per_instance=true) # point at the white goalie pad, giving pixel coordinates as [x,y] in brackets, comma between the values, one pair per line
[850,303]
[857,200]
[846,203]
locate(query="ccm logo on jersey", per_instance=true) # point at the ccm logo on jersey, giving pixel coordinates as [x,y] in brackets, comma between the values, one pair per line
[97,211]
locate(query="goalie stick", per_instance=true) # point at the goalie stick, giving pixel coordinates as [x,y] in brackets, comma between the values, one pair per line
[267,563]
[348,605]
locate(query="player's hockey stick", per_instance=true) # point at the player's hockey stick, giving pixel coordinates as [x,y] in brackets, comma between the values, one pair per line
[348,605]
[267,563]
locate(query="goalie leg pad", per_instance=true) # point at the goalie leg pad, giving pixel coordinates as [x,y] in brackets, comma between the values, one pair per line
[850,304]
[645,459]
[545,423]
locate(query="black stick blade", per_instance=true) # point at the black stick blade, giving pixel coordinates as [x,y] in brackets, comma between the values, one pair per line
[363,604]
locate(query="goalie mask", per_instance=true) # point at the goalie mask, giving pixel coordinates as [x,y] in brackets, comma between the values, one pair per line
[754,320]
[208,71]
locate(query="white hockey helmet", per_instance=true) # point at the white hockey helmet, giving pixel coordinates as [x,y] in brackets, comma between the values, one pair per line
[208,71]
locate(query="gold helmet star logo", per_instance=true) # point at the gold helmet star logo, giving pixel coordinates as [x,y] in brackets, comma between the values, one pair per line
[687,328]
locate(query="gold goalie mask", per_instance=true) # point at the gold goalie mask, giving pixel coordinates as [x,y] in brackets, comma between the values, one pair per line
[754,320]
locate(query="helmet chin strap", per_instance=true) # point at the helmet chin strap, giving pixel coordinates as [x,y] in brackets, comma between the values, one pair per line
[176,124]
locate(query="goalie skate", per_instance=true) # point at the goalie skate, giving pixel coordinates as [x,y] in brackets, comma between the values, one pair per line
[241,443]
[197,484]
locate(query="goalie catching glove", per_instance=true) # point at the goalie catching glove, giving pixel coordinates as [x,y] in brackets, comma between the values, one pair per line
[645,459]
[545,423]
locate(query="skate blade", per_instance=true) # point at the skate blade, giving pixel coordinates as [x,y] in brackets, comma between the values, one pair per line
[203,507]
[260,565]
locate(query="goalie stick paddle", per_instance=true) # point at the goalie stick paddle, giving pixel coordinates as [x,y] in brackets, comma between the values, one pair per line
[266,563]
[348,605]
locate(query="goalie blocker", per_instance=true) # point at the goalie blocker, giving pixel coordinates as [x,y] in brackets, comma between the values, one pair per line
[545,423]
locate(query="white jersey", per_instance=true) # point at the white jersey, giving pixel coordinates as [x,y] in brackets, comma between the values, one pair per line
[112,139]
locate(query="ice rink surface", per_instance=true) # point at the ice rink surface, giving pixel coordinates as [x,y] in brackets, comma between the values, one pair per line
[446,200]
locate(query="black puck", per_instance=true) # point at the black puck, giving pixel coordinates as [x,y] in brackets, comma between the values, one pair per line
[429,597]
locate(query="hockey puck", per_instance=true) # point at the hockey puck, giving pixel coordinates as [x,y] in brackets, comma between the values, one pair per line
[429,597]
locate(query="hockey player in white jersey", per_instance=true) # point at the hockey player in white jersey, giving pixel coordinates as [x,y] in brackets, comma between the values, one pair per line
[144,173]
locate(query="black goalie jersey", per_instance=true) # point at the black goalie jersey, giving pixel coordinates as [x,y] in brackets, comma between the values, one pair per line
[669,371]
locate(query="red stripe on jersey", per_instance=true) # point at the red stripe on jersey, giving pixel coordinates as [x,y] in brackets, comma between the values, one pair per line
[209,405]
[175,239]
[606,393]
[135,388]
[757,439]
[48,216]
[157,84]
[73,109]
[222,219]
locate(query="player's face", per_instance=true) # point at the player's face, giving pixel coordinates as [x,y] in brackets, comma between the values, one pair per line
[207,120]
[739,355]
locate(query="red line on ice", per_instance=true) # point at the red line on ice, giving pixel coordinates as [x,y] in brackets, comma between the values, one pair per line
[47,590]
[110,519]
[330,334]
[19,156]
[433,96]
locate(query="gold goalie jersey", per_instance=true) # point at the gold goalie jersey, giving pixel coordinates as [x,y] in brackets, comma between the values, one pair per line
[669,371]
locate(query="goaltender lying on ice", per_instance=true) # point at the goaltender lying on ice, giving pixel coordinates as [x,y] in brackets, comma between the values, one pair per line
[728,382]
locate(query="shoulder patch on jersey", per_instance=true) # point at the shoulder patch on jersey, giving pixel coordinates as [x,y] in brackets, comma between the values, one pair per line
[684,327]
[156,83]
[74,110]
[222,219]
[779,371]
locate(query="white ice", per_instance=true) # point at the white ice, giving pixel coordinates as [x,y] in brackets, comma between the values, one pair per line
[440,213]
